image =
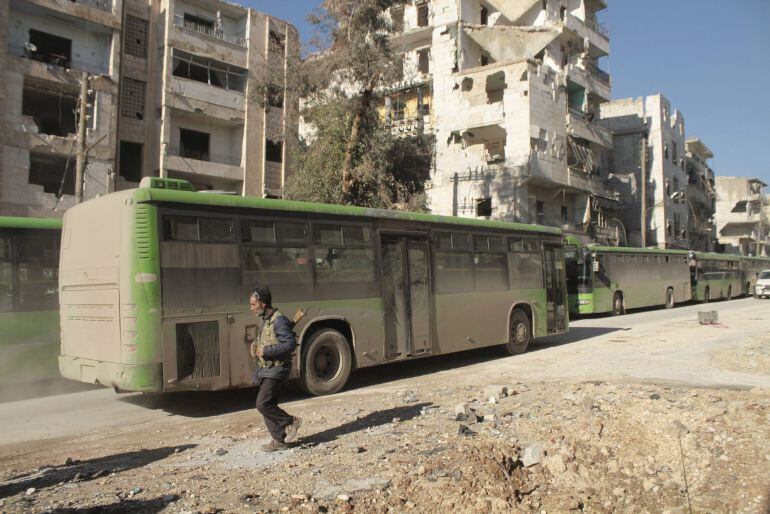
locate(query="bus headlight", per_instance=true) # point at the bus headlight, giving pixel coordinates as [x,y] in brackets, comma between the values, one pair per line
[584,302]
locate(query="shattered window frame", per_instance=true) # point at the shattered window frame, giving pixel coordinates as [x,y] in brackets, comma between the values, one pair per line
[225,75]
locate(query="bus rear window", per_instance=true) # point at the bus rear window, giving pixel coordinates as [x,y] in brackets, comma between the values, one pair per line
[194,228]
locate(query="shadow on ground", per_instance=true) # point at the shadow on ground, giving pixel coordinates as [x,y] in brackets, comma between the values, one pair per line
[374,419]
[203,404]
[82,471]
[139,506]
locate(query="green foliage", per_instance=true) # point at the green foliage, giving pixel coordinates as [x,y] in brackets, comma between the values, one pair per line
[390,171]
[352,157]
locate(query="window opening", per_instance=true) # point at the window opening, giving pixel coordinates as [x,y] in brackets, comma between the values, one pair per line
[56,173]
[194,144]
[50,49]
[208,71]
[53,113]
[423,61]
[422,15]
[273,150]
[130,164]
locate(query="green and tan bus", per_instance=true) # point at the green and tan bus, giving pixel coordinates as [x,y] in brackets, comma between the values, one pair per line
[715,276]
[154,285]
[604,279]
[29,308]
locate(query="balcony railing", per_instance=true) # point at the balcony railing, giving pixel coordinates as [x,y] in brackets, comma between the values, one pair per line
[598,73]
[57,60]
[201,155]
[598,28]
[211,32]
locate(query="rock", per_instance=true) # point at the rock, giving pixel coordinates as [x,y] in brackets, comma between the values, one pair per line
[647,485]
[555,464]
[359,449]
[533,454]
[299,497]
[366,484]
[220,452]
[275,492]
[168,498]
[496,392]
[409,397]
[68,461]
[465,431]
[654,396]
[421,470]
[343,498]
[210,509]
[134,491]
[491,418]
[31,491]
[409,505]
[613,466]
[462,412]
[618,491]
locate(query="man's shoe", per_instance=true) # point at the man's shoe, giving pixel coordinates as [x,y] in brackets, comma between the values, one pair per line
[274,446]
[293,429]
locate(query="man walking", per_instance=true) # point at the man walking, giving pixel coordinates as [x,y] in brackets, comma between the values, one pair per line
[275,341]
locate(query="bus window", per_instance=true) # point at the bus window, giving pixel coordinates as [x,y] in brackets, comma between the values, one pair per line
[442,241]
[180,228]
[291,232]
[327,234]
[454,272]
[460,241]
[215,230]
[253,231]
[285,269]
[344,272]
[491,271]
[355,235]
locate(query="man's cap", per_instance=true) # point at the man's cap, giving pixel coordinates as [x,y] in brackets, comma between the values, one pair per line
[262,293]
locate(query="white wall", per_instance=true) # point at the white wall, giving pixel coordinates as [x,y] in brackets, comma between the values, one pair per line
[224,141]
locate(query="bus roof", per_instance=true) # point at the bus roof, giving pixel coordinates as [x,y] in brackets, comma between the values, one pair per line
[626,249]
[720,256]
[33,223]
[145,194]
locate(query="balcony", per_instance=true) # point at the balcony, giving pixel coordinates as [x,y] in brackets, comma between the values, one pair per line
[59,61]
[218,166]
[579,125]
[596,34]
[210,31]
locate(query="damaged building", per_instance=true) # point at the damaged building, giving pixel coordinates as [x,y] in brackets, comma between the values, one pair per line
[511,93]
[700,195]
[742,221]
[175,89]
[648,169]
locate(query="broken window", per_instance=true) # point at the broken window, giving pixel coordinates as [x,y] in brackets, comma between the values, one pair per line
[273,151]
[467,84]
[564,215]
[495,87]
[540,212]
[130,163]
[52,112]
[580,156]
[485,59]
[49,48]
[208,71]
[56,173]
[276,43]
[194,144]
[136,36]
[423,61]
[484,207]
[422,15]
[132,98]
[494,151]
[198,23]
[576,97]
[484,15]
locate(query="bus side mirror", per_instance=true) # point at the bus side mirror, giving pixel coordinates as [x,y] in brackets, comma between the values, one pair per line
[597,267]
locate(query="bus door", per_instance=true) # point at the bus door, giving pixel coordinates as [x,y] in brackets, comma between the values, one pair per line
[553,273]
[406,295]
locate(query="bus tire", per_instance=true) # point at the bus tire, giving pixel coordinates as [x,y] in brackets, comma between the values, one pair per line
[707,295]
[617,304]
[670,298]
[521,333]
[326,362]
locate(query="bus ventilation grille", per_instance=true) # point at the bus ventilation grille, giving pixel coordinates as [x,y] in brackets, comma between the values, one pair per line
[197,350]
[143,232]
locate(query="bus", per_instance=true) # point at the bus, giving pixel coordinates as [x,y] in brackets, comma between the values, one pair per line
[154,286]
[751,267]
[602,279]
[29,309]
[715,276]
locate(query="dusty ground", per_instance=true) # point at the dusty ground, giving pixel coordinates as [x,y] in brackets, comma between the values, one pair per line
[648,412]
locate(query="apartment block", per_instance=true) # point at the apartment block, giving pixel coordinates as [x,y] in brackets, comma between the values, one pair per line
[189,89]
[511,93]
[742,223]
[647,166]
[700,195]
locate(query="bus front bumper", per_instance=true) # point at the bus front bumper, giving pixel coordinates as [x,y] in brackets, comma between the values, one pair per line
[124,377]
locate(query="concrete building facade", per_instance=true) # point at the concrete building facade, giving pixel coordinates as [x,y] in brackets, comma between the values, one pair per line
[742,223]
[700,195]
[177,88]
[647,164]
[511,93]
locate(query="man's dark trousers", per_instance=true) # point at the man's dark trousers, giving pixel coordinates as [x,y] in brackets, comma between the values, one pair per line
[276,419]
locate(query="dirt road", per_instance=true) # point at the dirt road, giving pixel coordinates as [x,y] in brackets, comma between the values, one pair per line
[644,412]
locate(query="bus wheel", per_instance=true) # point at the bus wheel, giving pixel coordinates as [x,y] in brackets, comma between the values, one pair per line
[617,304]
[706,296]
[669,298]
[521,332]
[326,363]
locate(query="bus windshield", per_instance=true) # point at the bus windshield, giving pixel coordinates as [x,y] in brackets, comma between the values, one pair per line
[578,266]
